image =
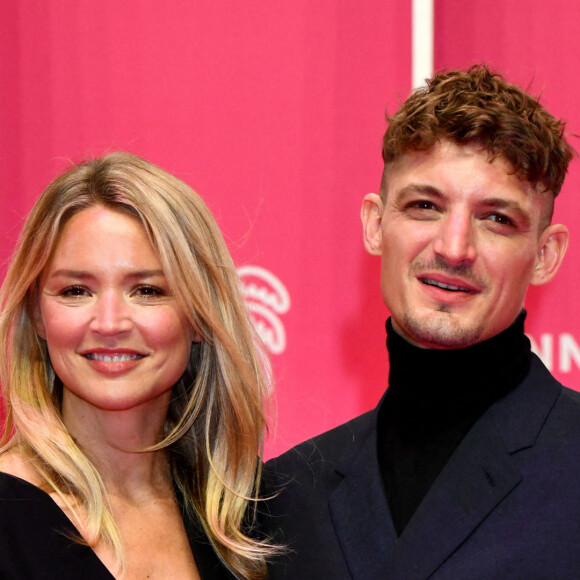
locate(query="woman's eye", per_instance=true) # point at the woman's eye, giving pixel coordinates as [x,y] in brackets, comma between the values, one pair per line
[149,291]
[74,291]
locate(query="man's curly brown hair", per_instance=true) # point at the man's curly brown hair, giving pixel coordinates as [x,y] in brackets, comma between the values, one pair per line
[480,107]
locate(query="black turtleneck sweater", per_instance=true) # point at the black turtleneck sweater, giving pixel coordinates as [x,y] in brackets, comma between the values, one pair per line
[434,398]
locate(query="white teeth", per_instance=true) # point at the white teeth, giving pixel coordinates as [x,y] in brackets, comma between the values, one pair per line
[444,286]
[112,358]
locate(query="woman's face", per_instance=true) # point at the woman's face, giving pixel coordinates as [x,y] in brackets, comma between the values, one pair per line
[116,336]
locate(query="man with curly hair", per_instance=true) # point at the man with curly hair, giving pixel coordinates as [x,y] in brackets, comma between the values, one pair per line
[468,468]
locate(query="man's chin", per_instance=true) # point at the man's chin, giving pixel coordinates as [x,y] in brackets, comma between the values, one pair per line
[441,331]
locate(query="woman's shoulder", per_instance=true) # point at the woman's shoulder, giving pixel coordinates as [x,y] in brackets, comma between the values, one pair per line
[18,480]
[24,507]
[16,465]
[37,539]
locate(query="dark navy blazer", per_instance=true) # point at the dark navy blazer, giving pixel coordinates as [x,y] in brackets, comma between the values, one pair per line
[505,506]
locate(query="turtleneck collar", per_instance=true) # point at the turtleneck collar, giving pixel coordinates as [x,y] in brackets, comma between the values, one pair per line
[481,372]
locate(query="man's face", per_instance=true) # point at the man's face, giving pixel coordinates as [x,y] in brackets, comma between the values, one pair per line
[461,239]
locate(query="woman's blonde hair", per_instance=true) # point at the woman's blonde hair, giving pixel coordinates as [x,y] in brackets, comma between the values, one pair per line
[215,423]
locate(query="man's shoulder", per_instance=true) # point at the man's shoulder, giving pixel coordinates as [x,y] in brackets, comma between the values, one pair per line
[570,397]
[566,400]
[331,444]
[319,456]
[566,410]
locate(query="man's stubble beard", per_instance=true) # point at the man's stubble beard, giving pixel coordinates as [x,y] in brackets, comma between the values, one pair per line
[440,331]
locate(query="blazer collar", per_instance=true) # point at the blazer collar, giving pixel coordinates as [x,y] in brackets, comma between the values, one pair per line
[519,417]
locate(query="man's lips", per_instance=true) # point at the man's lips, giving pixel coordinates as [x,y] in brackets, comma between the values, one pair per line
[449,283]
[448,287]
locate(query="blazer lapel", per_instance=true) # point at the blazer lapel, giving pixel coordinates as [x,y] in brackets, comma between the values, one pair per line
[474,481]
[361,516]
[479,475]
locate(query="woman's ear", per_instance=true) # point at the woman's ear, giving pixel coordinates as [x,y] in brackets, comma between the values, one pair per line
[194,335]
[38,322]
[551,251]
[371,215]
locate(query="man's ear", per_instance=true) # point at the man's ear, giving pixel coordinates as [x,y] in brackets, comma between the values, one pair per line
[551,251]
[371,215]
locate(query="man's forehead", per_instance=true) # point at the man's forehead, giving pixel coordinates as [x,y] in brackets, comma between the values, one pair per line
[414,161]
[449,148]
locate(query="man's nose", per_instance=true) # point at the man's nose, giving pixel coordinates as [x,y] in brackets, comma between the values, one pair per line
[112,314]
[455,241]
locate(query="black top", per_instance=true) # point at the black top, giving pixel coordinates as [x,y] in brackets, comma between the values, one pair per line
[434,398]
[37,540]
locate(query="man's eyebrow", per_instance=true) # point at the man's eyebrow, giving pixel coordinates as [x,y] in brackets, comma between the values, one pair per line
[502,203]
[417,189]
[493,202]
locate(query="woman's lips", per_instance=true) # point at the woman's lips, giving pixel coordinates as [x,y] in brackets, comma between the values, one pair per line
[115,357]
[113,362]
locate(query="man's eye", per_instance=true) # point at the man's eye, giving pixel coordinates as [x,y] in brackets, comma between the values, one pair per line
[74,291]
[500,219]
[422,210]
[422,204]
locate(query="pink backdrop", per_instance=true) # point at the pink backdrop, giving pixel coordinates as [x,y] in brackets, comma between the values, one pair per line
[273,112]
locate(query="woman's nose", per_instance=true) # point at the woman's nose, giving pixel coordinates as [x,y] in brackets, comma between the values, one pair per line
[112,314]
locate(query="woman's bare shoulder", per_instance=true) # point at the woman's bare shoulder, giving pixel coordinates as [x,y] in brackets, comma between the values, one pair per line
[14,463]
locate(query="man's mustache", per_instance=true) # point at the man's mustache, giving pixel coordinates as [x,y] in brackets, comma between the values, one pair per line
[462,270]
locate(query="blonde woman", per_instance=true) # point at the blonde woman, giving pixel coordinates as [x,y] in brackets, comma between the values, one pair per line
[132,385]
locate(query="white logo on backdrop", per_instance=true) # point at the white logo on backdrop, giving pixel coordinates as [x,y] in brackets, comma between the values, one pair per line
[558,351]
[267,298]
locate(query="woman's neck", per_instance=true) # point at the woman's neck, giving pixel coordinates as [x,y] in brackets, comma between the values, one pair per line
[114,439]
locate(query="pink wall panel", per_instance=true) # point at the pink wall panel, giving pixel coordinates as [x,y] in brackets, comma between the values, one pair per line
[533,43]
[272,111]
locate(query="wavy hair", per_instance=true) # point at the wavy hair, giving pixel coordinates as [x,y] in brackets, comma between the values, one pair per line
[215,423]
[480,107]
